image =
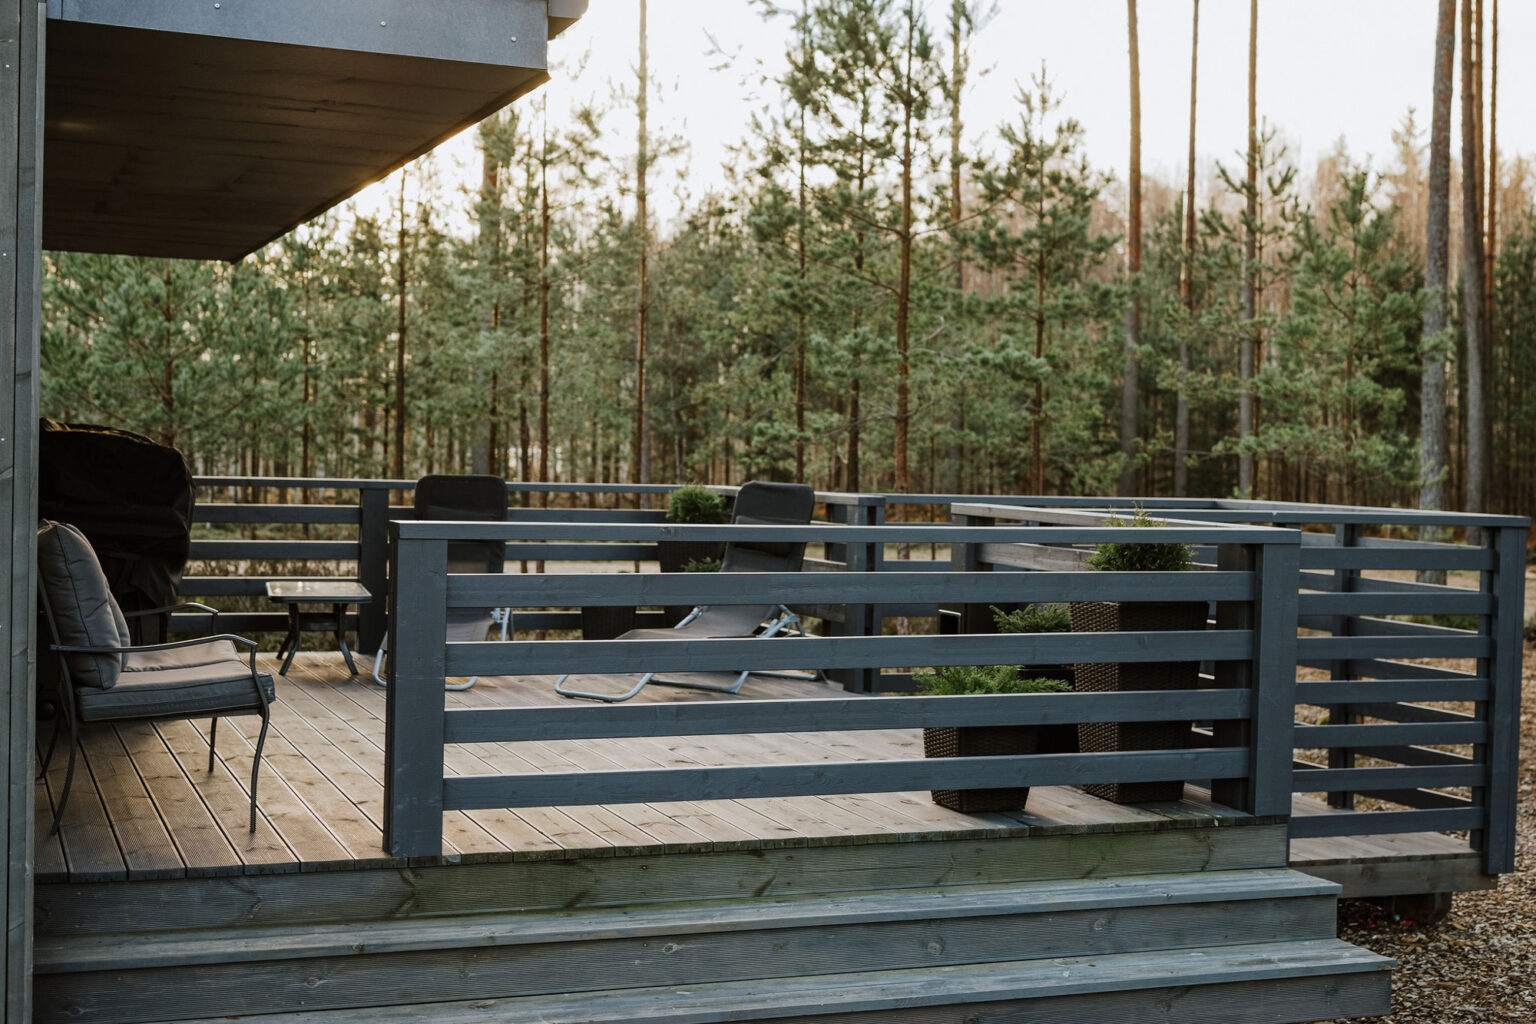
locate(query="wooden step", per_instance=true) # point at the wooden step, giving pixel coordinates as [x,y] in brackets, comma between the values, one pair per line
[554,883]
[1260,983]
[112,979]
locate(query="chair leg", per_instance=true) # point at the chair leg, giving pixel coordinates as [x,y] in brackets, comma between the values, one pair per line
[69,780]
[213,738]
[607,698]
[53,742]
[256,765]
[378,662]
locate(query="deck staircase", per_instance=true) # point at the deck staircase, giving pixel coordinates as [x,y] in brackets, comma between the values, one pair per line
[1189,924]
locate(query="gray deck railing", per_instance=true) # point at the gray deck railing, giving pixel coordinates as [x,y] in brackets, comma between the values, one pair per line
[1248,699]
[1385,733]
[1406,746]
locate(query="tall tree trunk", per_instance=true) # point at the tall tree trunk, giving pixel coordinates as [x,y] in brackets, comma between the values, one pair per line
[1130,377]
[802,265]
[800,310]
[640,455]
[1249,341]
[544,440]
[1490,248]
[400,326]
[1435,341]
[1186,282]
[1476,482]
[904,267]
[958,17]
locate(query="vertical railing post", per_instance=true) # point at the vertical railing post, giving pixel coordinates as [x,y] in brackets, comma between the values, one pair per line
[1346,536]
[416,705]
[974,618]
[372,563]
[1500,755]
[1270,673]
[857,618]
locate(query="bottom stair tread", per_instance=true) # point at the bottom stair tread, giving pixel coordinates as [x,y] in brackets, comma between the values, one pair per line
[1342,976]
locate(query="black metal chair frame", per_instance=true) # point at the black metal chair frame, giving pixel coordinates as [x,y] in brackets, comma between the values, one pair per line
[71,712]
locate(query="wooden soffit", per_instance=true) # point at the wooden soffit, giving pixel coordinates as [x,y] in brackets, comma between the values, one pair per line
[207,128]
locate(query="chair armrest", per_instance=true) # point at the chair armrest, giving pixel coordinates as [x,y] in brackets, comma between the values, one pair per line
[123,652]
[184,606]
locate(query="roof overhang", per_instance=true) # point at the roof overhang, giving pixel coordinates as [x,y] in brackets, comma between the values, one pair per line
[207,128]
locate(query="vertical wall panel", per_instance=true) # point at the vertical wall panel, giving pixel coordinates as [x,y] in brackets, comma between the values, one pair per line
[21,84]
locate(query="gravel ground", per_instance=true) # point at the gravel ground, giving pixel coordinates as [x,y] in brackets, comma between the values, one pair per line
[1479,963]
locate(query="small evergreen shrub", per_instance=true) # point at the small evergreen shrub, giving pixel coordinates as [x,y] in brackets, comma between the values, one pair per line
[1035,618]
[695,504]
[1140,556]
[702,565]
[951,680]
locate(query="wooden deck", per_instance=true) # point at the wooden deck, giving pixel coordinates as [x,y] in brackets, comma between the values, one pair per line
[144,805]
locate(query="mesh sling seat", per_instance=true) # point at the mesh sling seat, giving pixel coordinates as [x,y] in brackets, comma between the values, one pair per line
[451,498]
[757,504]
[104,678]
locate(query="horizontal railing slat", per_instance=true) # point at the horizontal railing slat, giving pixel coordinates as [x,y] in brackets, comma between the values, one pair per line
[1372,558]
[1376,823]
[830,533]
[1345,691]
[1338,736]
[1385,669]
[733,655]
[1336,780]
[1396,711]
[1470,602]
[484,591]
[1342,648]
[825,778]
[1402,754]
[287,550]
[714,718]
[215,512]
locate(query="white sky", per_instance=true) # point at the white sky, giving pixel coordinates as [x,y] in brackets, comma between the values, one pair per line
[1327,69]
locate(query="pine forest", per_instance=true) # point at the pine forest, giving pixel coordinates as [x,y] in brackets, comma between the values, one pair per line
[870,304]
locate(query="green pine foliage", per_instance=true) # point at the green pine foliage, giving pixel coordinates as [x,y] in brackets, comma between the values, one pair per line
[695,504]
[786,340]
[950,680]
[1140,556]
[1034,618]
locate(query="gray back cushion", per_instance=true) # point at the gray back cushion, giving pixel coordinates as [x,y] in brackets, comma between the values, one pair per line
[84,611]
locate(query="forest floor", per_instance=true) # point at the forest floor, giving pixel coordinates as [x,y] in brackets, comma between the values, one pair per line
[1479,962]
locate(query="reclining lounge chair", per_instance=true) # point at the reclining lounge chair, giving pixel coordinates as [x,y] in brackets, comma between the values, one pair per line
[480,499]
[103,678]
[760,504]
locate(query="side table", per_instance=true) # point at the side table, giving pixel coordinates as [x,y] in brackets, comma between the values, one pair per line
[336,593]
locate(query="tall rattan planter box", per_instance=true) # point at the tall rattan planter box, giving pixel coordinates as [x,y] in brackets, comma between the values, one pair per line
[981,741]
[1108,737]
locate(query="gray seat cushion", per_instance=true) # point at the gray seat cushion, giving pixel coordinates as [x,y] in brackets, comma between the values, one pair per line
[181,692]
[84,611]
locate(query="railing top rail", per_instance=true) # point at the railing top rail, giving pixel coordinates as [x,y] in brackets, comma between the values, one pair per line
[1073,517]
[1282,513]
[1288,512]
[835,533]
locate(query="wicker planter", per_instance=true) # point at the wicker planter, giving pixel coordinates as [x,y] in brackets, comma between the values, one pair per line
[981,741]
[1108,737]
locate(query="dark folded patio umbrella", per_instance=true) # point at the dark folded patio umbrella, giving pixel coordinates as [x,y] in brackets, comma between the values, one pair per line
[132,498]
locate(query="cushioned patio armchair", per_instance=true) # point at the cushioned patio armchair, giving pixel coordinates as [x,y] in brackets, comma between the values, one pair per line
[103,678]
